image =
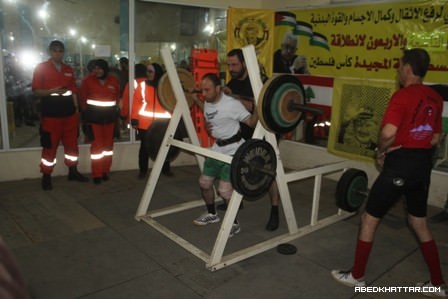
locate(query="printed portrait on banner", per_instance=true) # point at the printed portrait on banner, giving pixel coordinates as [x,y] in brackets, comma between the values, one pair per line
[252,27]
[357,111]
[290,34]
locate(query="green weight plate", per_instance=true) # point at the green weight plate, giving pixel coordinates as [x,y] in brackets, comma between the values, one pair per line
[272,106]
[351,190]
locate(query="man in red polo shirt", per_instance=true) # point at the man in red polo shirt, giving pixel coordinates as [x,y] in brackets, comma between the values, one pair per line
[54,83]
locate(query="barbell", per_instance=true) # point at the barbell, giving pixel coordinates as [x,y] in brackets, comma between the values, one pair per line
[280,107]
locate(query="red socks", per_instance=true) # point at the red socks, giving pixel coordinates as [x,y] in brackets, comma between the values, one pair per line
[429,251]
[431,256]
[361,257]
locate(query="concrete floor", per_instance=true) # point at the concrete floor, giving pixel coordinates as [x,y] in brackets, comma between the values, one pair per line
[81,240]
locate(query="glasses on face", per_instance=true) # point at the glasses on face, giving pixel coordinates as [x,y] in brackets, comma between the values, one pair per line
[149,71]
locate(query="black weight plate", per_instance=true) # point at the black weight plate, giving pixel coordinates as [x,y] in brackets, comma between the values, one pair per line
[253,168]
[273,102]
[286,248]
[155,135]
[351,190]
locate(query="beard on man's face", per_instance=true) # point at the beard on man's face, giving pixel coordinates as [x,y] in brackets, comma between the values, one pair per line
[237,75]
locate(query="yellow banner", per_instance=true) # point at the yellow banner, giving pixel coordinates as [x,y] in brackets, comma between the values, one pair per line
[356,114]
[366,41]
[255,27]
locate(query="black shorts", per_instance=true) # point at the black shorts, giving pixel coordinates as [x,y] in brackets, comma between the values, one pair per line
[406,173]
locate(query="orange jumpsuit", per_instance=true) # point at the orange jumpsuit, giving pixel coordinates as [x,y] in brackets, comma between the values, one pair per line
[98,100]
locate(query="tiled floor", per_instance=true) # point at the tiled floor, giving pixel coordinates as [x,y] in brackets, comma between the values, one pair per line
[81,240]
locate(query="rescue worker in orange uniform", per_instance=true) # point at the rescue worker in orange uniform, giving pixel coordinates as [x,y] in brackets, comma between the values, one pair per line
[145,110]
[54,83]
[99,95]
[140,76]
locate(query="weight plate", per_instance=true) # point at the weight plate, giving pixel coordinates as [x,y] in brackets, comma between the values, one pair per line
[154,138]
[253,168]
[286,248]
[273,107]
[351,190]
[165,91]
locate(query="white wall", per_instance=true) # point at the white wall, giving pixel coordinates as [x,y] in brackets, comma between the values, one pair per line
[24,164]
[301,156]
[18,165]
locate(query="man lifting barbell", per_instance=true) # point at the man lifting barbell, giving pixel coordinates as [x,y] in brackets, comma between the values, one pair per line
[240,84]
[222,116]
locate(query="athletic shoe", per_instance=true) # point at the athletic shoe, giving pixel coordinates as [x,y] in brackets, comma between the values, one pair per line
[206,218]
[236,228]
[346,278]
[430,291]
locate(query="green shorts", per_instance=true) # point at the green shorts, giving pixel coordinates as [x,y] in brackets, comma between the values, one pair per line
[217,169]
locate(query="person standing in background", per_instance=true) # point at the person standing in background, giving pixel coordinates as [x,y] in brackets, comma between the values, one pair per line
[99,97]
[140,76]
[54,83]
[146,109]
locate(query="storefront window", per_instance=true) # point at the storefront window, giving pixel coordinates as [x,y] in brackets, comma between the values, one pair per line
[89,30]
[181,28]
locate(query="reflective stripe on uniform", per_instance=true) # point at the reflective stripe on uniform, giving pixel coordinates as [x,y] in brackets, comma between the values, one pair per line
[48,163]
[67,93]
[144,112]
[108,153]
[71,158]
[96,156]
[101,103]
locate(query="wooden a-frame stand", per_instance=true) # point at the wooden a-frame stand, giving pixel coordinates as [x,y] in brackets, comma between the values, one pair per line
[215,260]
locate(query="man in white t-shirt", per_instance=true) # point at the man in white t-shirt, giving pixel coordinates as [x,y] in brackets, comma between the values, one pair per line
[223,115]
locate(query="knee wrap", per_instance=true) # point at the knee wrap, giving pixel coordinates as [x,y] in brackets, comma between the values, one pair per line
[225,190]
[205,182]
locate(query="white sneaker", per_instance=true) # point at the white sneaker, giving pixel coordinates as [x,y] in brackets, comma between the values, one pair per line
[236,228]
[431,292]
[346,278]
[206,218]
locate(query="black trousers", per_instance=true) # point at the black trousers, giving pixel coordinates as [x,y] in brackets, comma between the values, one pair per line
[144,155]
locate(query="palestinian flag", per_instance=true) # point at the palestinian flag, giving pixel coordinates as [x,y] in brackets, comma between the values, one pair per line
[319,40]
[285,18]
[303,28]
